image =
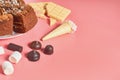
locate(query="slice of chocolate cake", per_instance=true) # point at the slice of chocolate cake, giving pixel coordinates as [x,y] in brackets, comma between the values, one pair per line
[6,23]
[24,20]
[16,16]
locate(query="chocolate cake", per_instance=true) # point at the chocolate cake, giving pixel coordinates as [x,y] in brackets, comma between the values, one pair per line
[6,24]
[16,16]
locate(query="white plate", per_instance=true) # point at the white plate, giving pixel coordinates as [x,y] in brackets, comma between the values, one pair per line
[11,36]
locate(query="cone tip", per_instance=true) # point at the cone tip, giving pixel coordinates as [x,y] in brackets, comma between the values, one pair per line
[42,39]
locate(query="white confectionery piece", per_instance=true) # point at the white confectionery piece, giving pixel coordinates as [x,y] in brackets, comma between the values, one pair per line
[2,50]
[15,57]
[7,68]
[73,25]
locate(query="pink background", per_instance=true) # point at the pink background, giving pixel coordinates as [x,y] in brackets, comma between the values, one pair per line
[92,53]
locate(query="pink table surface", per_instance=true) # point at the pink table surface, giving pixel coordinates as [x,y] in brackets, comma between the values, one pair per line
[91,53]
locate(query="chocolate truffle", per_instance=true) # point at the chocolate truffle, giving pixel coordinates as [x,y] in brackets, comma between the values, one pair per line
[48,50]
[33,55]
[35,45]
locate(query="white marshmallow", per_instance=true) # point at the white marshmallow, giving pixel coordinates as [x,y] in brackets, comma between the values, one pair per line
[7,68]
[2,50]
[15,57]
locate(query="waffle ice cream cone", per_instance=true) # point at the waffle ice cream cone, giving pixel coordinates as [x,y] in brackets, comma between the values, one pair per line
[66,27]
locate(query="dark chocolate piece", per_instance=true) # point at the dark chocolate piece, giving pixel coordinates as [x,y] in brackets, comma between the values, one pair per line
[33,55]
[14,47]
[35,45]
[48,50]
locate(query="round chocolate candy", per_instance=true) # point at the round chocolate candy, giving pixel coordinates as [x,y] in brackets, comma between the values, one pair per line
[33,55]
[35,45]
[48,50]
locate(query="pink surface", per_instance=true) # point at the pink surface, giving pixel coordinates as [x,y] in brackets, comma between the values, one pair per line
[92,53]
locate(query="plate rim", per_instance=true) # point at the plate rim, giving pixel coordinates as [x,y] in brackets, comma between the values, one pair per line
[13,35]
